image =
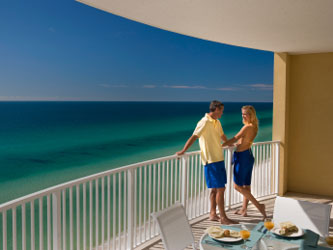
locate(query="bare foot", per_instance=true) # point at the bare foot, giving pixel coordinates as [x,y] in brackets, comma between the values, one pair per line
[214,217]
[227,221]
[241,212]
[262,209]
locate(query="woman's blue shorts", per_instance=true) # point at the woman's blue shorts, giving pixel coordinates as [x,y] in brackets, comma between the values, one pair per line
[243,165]
[216,176]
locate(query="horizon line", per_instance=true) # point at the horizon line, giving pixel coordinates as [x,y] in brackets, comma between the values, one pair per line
[129,101]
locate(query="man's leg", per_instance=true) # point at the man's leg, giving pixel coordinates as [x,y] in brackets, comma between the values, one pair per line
[243,210]
[213,216]
[220,203]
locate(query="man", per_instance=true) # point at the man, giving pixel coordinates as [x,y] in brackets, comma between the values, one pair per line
[210,133]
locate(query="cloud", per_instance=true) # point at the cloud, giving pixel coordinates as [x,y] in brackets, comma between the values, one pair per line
[235,87]
[261,86]
[199,87]
[113,86]
[30,98]
[149,86]
[227,89]
[184,87]
[51,98]
[104,85]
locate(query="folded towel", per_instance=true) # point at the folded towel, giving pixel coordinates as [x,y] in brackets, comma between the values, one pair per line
[310,238]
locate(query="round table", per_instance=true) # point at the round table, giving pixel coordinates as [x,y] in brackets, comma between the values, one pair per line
[262,244]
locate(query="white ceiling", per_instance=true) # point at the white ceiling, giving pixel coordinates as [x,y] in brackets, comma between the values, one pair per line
[294,26]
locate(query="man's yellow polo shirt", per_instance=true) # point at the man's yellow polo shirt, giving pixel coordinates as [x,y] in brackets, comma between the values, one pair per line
[209,132]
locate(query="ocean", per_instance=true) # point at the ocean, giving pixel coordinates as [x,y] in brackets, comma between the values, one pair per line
[48,143]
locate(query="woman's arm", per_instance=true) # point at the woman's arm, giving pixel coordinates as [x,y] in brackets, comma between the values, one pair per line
[234,139]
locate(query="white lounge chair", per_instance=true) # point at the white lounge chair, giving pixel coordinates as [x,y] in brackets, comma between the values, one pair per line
[307,215]
[174,228]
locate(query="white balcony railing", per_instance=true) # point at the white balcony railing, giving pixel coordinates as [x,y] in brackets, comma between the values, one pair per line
[111,210]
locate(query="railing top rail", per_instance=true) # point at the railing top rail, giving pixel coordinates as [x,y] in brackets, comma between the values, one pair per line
[254,144]
[54,189]
[79,181]
[266,142]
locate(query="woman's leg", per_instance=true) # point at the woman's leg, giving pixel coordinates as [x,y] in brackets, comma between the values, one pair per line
[243,210]
[246,192]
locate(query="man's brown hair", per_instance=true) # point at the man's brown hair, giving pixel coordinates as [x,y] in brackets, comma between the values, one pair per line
[214,105]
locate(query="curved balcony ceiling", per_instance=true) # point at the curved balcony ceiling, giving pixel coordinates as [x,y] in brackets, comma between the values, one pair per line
[294,26]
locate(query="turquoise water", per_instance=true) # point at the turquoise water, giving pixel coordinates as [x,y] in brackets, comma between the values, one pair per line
[47,143]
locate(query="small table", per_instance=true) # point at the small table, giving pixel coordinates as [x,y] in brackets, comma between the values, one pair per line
[263,243]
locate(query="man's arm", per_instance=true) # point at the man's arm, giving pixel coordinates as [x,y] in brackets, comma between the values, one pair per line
[224,138]
[188,144]
[230,142]
[235,138]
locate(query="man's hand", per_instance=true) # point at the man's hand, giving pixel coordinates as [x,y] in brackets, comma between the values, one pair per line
[180,152]
[188,144]
[229,144]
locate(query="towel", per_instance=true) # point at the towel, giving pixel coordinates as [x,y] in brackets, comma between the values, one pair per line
[255,236]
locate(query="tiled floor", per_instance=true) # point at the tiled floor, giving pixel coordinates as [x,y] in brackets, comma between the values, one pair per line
[253,217]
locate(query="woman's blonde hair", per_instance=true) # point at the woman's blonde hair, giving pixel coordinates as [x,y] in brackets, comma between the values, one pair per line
[253,116]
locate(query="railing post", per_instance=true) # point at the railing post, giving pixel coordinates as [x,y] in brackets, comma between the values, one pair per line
[4,229]
[229,177]
[130,210]
[184,160]
[56,215]
[277,166]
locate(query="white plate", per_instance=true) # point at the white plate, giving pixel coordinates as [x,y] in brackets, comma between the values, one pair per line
[293,235]
[226,239]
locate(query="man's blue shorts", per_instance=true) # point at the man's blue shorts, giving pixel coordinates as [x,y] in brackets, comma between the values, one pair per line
[243,165]
[216,176]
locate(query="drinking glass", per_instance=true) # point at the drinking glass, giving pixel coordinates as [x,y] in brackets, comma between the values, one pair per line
[269,224]
[245,234]
[329,240]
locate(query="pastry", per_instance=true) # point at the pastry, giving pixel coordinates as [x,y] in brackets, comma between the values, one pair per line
[215,231]
[287,228]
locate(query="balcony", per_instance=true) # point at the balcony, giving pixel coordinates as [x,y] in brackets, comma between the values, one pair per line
[200,224]
[111,210]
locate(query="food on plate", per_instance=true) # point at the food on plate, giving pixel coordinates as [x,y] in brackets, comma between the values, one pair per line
[218,232]
[234,234]
[215,231]
[287,228]
[226,233]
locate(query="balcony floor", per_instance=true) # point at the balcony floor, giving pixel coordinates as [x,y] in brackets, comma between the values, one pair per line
[200,224]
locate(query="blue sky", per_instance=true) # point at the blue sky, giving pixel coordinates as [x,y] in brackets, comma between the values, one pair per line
[64,50]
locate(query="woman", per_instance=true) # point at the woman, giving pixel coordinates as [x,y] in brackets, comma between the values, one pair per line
[244,160]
